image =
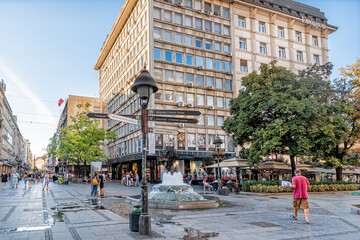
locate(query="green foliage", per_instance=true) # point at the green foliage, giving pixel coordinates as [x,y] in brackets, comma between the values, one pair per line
[329,182]
[313,188]
[278,112]
[245,186]
[82,140]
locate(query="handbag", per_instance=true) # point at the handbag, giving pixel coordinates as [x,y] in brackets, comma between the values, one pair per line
[95,181]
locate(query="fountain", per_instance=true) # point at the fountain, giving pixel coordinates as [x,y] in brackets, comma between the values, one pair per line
[173,189]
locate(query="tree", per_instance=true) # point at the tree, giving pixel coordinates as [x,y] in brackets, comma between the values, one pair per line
[344,117]
[82,140]
[278,112]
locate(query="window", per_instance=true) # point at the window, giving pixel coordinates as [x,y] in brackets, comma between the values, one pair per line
[202,122]
[157,54]
[188,21]
[226,48]
[198,43]
[158,73]
[169,96]
[198,23]
[243,66]
[209,101]
[179,58]
[168,56]
[199,61]
[218,65]
[227,66]
[190,98]
[226,12]
[208,26]
[200,80]
[217,10]
[178,38]
[209,63]
[219,83]
[315,41]
[167,16]
[157,33]
[208,44]
[200,100]
[261,27]
[226,30]
[281,32]
[168,36]
[227,102]
[220,121]
[189,78]
[178,18]
[263,48]
[179,97]
[241,22]
[316,59]
[299,56]
[217,28]
[228,85]
[219,102]
[298,36]
[209,81]
[158,95]
[198,5]
[189,41]
[179,77]
[169,76]
[217,47]
[157,13]
[242,43]
[188,3]
[207,7]
[211,120]
[281,52]
[177,1]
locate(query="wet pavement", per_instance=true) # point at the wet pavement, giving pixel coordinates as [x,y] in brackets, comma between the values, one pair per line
[64,212]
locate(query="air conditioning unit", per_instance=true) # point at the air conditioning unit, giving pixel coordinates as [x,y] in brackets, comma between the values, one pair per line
[190,84]
[216,13]
[210,87]
[229,73]
[180,104]
[179,4]
[211,107]
[190,105]
[200,67]
[207,12]
[229,54]
[181,125]
[199,11]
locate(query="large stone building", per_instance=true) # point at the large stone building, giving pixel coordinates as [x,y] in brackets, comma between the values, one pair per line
[198,51]
[12,145]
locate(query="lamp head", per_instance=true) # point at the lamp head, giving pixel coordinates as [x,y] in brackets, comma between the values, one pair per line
[144,85]
[217,141]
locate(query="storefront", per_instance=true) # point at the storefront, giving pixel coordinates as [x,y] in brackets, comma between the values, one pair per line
[5,167]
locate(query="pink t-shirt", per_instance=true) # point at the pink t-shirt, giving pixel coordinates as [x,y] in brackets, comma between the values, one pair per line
[301,186]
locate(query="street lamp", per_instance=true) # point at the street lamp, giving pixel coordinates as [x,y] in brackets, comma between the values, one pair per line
[217,143]
[144,85]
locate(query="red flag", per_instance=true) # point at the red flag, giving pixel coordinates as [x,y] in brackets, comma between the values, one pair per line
[60,102]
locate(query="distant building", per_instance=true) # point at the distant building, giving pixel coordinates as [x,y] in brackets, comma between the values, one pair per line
[40,163]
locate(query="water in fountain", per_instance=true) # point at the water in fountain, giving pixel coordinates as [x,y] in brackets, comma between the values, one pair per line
[174,189]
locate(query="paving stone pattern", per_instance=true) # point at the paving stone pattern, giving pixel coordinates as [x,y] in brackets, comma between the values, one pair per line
[33,214]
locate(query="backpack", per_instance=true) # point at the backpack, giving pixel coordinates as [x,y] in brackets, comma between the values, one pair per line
[95,181]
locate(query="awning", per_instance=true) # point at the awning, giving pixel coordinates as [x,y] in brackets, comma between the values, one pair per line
[233,162]
[274,166]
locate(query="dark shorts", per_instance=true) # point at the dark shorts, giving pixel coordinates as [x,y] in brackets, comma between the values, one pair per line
[300,203]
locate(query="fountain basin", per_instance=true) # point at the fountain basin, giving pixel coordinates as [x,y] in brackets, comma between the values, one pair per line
[166,192]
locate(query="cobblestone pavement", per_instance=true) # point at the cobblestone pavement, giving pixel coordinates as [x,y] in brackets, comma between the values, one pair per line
[34,214]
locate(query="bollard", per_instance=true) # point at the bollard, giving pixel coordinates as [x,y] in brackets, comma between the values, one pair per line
[134,218]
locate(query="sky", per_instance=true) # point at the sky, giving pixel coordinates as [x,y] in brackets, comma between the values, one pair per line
[48,49]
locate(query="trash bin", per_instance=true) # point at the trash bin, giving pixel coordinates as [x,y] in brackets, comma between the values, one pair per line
[134,218]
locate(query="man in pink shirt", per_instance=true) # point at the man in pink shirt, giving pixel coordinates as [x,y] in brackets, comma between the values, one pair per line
[300,185]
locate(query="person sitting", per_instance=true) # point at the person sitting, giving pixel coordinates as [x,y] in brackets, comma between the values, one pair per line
[208,185]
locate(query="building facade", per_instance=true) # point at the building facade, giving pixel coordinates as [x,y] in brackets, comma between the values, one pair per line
[198,51]
[12,145]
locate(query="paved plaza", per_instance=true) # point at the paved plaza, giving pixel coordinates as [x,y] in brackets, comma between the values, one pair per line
[34,214]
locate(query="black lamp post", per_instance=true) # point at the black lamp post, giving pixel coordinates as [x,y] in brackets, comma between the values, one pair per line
[144,85]
[217,143]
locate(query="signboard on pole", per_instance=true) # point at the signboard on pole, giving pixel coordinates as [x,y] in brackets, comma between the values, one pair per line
[124,119]
[163,131]
[172,120]
[174,112]
[98,115]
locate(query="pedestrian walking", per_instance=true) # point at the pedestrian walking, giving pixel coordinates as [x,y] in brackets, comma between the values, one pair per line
[95,183]
[102,178]
[11,180]
[15,176]
[4,179]
[137,180]
[25,179]
[110,176]
[300,184]
[46,181]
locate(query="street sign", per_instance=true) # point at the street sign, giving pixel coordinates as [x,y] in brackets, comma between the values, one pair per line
[174,112]
[163,131]
[98,115]
[124,119]
[172,120]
